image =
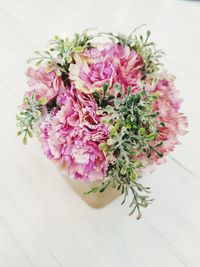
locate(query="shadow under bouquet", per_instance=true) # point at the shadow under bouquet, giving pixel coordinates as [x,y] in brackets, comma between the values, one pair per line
[104,110]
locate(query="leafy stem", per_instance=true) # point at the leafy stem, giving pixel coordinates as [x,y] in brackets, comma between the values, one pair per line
[133,130]
[27,117]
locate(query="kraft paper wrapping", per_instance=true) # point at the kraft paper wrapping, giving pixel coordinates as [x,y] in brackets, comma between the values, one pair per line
[95,200]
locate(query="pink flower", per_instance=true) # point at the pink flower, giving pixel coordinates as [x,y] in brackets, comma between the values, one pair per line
[175,123]
[71,136]
[129,65]
[43,83]
[98,74]
[85,161]
[111,64]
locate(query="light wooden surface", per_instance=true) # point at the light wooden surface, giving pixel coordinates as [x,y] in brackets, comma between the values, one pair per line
[42,221]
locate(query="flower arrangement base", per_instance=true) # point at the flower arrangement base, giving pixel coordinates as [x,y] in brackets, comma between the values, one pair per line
[95,200]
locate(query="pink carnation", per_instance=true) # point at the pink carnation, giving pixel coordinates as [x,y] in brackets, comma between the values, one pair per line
[175,123]
[128,65]
[111,64]
[72,134]
[43,83]
[85,161]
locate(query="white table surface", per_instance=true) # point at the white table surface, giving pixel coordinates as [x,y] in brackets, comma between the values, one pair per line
[42,221]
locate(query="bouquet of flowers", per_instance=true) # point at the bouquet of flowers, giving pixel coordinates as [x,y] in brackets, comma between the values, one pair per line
[103,109]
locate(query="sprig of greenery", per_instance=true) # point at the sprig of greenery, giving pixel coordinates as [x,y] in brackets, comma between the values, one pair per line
[132,131]
[145,48]
[150,55]
[29,116]
[60,51]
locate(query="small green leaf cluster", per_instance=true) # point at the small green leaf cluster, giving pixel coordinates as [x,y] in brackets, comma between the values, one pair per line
[29,116]
[133,130]
[150,55]
[59,53]
[146,49]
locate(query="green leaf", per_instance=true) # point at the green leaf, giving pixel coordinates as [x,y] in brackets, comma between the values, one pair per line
[42,101]
[116,86]
[160,155]
[133,175]
[69,59]
[109,109]
[25,139]
[93,190]
[117,124]
[78,49]
[139,215]
[149,152]
[159,144]
[139,164]
[105,88]
[36,52]
[162,124]
[37,114]
[111,97]
[33,97]
[39,62]
[104,147]
[148,34]
[129,90]
[152,136]
[155,96]
[128,125]
[56,37]
[104,187]
[123,170]
[141,131]
[30,133]
[18,117]
[153,115]
[112,131]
